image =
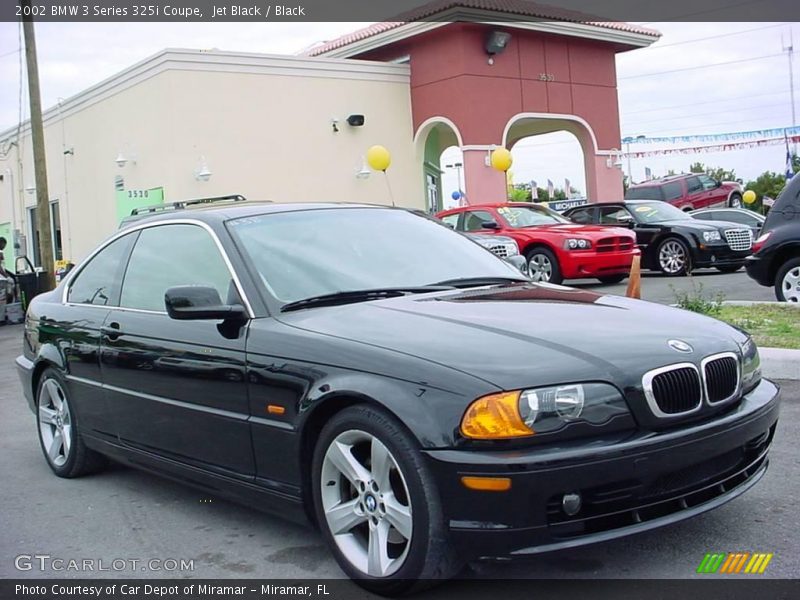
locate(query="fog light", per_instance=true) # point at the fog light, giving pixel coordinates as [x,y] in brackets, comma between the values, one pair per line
[571,503]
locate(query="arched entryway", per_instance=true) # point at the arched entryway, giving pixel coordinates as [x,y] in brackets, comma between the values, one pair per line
[432,138]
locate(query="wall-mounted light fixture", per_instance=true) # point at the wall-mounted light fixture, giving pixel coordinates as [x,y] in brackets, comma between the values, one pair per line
[70,151]
[363,171]
[123,159]
[496,43]
[202,172]
[30,189]
[614,160]
[335,125]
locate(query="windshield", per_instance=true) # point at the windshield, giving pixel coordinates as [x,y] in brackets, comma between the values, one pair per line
[655,212]
[308,253]
[529,216]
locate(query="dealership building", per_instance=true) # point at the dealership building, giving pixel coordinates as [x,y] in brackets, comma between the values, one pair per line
[186,123]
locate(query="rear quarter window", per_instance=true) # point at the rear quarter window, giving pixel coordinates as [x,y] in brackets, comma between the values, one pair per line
[650,192]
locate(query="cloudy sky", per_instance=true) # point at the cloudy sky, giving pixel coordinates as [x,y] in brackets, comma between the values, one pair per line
[699,78]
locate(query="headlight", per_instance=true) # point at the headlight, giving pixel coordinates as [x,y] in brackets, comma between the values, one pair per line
[512,249]
[712,236]
[577,244]
[525,413]
[751,366]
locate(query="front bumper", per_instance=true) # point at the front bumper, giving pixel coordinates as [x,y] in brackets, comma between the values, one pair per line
[25,372]
[645,481]
[589,263]
[719,255]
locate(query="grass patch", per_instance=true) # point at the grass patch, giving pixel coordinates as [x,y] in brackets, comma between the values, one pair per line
[776,326]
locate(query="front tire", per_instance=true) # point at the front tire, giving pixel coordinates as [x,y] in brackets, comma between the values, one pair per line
[543,266]
[673,257]
[787,282]
[59,433]
[377,505]
[735,201]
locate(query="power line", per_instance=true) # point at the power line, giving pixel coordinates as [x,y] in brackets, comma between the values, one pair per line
[772,105]
[709,66]
[9,53]
[712,37]
[667,132]
[710,10]
[729,98]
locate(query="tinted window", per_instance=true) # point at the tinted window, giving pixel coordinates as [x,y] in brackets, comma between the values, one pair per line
[582,216]
[306,253]
[705,216]
[451,220]
[171,255]
[707,182]
[530,216]
[693,185]
[613,215]
[655,212]
[99,281]
[648,192]
[474,219]
[672,190]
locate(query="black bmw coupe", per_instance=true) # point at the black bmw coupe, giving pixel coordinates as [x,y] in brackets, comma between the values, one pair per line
[383,377]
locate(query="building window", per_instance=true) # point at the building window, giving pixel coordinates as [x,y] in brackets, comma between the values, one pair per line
[55,234]
[33,238]
[55,230]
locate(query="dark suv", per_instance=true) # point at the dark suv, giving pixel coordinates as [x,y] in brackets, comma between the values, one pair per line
[689,192]
[776,253]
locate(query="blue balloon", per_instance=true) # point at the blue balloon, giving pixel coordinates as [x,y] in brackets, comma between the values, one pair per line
[456,195]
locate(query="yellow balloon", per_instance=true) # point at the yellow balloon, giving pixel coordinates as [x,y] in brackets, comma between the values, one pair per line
[379,158]
[501,159]
[749,197]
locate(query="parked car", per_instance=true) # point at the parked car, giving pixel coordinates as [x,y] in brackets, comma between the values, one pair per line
[689,191]
[414,397]
[672,241]
[554,248]
[742,216]
[776,253]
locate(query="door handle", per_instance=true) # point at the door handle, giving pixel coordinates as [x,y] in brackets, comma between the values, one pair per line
[111,331]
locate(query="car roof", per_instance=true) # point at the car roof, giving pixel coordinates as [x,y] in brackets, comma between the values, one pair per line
[225,208]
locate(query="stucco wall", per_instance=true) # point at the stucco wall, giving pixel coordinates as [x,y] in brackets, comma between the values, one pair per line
[263,124]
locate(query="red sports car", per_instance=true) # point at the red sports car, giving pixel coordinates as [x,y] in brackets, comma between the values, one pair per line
[555,248]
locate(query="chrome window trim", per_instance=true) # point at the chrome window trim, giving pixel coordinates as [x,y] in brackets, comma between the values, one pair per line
[647,386]
[738,388]
[129,230]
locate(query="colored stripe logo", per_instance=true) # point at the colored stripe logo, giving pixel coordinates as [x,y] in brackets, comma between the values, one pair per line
[731,563]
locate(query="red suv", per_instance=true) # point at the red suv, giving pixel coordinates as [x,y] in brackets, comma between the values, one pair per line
[689,192]
[555,248]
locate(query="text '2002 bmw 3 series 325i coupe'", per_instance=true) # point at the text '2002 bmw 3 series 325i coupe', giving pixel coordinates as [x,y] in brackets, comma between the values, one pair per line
[412,395]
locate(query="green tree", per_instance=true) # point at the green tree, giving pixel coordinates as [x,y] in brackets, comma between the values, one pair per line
[718,173]
[767,184]
[519,194]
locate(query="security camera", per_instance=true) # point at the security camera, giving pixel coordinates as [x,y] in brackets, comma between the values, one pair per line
[355,120]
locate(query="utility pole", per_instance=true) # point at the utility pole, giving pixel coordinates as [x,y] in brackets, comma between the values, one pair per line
[39,161]
[790,53]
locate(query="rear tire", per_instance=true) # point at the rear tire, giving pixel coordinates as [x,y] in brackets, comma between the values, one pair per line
[59,431]
[787,282]
[543,266]
[735,201]
[377,504]
[612,278]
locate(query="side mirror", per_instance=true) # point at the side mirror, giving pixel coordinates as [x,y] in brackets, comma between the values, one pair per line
[199,302]
[627,221]
[490,224]
[519,262]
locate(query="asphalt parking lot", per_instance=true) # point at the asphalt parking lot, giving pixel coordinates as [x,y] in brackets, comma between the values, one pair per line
[127,514]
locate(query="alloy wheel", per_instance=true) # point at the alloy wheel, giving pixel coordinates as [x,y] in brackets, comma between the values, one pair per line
[55,422]
[366,503]
[540,268]
[791,285]
[672,257]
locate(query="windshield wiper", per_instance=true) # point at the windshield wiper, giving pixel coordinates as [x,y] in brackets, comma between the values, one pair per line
[465,282]
[361,296]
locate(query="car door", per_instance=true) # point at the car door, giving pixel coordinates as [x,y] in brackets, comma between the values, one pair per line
[694,193]
[620,216]
[586,215]
[91,294]
[177,388]
[714,194]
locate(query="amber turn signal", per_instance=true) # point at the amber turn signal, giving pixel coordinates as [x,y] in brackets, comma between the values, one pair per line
[495,417]
[274,409]
[487,484]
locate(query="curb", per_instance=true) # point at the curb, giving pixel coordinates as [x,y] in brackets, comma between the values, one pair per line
[757,302]
[780,363]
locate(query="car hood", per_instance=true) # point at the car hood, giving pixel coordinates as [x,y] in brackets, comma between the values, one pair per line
[571,229]
[699,226]
[519,335]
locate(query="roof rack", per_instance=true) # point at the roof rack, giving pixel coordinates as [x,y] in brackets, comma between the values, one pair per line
[180,205]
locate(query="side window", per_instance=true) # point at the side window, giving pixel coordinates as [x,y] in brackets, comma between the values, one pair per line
[693,185]
[706,216]
[707,182]
[451,220]
[672,190]
[613,215]
[582,216]
[474,219]
[100,280]
[166,256]
[735,217]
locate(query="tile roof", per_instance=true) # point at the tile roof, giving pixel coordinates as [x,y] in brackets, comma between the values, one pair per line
[522,8]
